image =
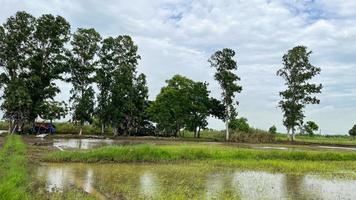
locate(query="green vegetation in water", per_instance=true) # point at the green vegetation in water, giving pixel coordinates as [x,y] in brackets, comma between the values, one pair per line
[15,181]
[13,169]
[193,180]
[278,160]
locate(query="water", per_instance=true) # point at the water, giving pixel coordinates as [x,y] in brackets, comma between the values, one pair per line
[81,143]
[190,181]
[64,144]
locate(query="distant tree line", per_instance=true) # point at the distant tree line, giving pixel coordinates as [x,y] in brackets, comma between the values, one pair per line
[36,53]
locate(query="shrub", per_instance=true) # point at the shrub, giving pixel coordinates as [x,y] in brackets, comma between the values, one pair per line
[273,130]
[310,127]
[352,131]
[239,124]
[256,137]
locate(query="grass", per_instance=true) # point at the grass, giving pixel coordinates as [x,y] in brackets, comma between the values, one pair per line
[13,169]
[154,153]
[15,181]
[320,139]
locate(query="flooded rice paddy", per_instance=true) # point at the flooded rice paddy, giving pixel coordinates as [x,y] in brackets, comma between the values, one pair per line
[190,181]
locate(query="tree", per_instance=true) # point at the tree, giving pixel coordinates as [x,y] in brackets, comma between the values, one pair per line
[198,108]
[48,60]
[352,131]
[239,124]
[183,103]
[85,45]
[104,78]
[297,72]
[224,63]
[32,55]
[310,127]
[16,105]
[15,54]
[273,129]
[122,93]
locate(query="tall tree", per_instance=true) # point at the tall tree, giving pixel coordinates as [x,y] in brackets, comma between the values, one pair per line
[224,64]
[297,72]
[32,54]
[48,62]
[122,93]
[104,79]
[16,45]
[85,45]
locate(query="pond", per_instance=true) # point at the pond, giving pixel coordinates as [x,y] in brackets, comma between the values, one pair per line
[190,181]
[64,144]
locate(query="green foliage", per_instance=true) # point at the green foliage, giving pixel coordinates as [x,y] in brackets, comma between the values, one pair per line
[297,71]
[32,56]
[13,169]
[123,94]
[272,129]
[224,65]
[52,110]
[183,103]
[85,45]
[310,127]
[352,131]
[239,124]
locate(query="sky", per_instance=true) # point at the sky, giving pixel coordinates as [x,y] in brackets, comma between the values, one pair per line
[179,36]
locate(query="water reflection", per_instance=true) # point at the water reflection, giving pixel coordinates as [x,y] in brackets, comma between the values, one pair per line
[81,143]
[169,181]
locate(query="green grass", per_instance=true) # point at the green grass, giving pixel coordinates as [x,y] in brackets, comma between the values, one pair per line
[153,153]
[13,169]
[321,139]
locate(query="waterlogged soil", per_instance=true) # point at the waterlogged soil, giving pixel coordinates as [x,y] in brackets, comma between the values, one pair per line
[190,181]
[89,143]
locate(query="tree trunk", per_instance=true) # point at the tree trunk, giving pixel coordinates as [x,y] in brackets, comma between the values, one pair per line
[199,132]
[227,123]
[288,135]
[81,130]
[14,129]
[10,125]
[293,137]
[102,128]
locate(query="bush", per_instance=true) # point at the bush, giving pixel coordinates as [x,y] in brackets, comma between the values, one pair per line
[352,131]
[239,124]
[4,125]
[256,137]
[273,130]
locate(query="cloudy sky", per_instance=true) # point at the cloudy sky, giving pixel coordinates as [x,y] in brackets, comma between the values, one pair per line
[178,37]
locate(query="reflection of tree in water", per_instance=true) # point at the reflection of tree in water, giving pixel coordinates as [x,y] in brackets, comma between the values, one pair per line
[295,188]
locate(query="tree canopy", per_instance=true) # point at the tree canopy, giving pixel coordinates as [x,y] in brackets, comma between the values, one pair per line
[224,64]
[297,71]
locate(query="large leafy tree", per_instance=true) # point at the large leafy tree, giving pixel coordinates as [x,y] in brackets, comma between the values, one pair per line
[183,103]
[48,62]
[16,45]
[225,65]
[85,45]
[33,56]
[297,71]
[122,92]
